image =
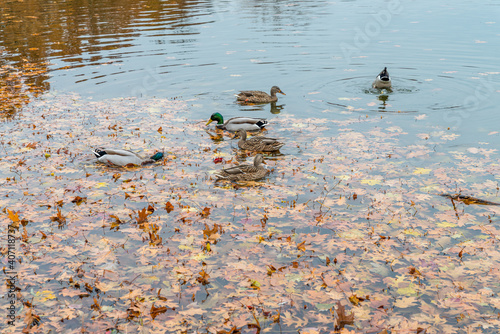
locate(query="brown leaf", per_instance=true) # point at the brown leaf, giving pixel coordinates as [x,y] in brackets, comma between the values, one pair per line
[212,234]
[31,319]
[342,318]
[205,212]
[413,271]
[169,207]
[79,200]
[203,278]
[30,145]
[58,217]
[157,310]
[96,306]
[142,216]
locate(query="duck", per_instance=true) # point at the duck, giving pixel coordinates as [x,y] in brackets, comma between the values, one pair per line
[382,80]
[259,144]
[256,96]
[120,157]
[236,123]
[244,172]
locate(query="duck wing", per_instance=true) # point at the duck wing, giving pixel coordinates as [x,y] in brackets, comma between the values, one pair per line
[245,120]
[240,169]
[120,152]
[117,157]
[263,140]
[253,96]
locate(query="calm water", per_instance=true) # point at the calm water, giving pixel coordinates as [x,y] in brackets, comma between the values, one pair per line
[443,57]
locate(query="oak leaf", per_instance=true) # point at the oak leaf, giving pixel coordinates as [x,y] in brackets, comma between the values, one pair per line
[342,317]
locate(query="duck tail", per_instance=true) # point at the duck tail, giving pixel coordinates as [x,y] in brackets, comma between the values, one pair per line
[262,123]
[384,75]
[99,152]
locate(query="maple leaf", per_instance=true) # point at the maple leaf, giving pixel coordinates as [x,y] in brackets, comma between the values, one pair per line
[142,216]
[14,217]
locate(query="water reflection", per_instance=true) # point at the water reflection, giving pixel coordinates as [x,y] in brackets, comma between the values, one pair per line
[73,34]
[383,98]
[276,109]
[273,107]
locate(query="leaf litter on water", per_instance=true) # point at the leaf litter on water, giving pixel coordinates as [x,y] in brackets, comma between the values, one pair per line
[163,248]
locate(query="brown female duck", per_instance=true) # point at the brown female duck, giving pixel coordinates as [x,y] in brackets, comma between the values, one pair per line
[244,172]
[258,143]
[256,96]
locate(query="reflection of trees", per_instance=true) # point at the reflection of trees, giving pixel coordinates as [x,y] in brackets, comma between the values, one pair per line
[18,84]
[33,31]
[279,13]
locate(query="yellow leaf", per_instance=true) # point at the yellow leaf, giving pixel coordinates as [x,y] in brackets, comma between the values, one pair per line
[45,295]
[101,185]
[421,171]
[412,232]
[407,291]
[446,224]
[13,216]
[371,182]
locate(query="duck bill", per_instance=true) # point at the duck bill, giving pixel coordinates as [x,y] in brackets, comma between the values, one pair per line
[209,121]
[282,93]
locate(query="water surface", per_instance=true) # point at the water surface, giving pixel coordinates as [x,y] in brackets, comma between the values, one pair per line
[443,57]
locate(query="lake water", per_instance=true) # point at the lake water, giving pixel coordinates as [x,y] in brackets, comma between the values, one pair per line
[351,208]
[443,57]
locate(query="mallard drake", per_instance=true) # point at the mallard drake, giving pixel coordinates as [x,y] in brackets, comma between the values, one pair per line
[259,144]
[256,96]
[236,123]
[382,80]
[119,157]
[244,172]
